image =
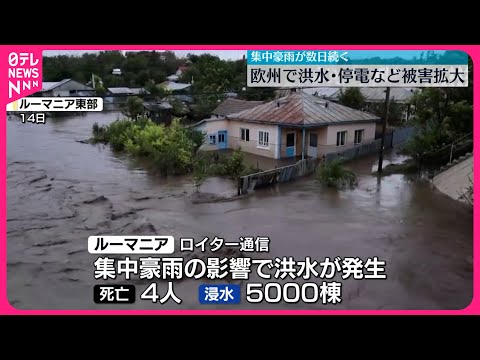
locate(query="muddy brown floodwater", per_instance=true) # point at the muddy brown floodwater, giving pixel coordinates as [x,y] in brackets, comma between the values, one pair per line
[61,191]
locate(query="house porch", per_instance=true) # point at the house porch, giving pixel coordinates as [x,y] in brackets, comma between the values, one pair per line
[300,143]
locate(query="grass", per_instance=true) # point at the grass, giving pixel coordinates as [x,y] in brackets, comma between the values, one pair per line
[407,167]
[334,174]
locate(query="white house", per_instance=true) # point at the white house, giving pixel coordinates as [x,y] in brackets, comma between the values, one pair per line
[298,124]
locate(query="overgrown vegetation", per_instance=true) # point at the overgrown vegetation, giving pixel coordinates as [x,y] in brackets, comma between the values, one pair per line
[335,174]
[200,172]
[231,165]
[172,149]
[133,107]
[407,167]
[442,116]
[352,97]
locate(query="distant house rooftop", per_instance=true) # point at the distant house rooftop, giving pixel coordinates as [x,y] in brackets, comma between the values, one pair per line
[127,91]
[47,85]
[173,78]
[371,94]
[302,109]
[157,106]
[231,106]
[183,98]
[175,86]
[323,92]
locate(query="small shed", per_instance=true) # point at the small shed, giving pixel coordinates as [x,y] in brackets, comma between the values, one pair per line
[160,112]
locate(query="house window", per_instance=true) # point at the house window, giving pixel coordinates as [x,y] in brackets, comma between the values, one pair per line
[358,136]
[245,134]
[341,138]
[212,139]
[263,137]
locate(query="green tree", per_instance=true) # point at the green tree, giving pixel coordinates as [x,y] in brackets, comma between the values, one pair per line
[352,97]
[395,111]
[100,90]
[203,107]
[442,115]
[200,171]
[235,165]
[134,107]
[257,94]
[137,68]
[179,109]
[172,149]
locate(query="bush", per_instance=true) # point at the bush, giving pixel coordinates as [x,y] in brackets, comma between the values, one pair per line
[99,132]
[235,165]
[334,174]
[200,172]
[170,148]
[250,169]
[217,170]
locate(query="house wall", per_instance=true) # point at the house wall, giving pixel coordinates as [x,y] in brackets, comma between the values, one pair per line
[213,127]
[201,128]
[322,139]
[331,143]
[368,134]
[234,136]
[327,137]
[252,146]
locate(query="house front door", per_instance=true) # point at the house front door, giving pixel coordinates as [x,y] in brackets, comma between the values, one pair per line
[222,139]
[290,148]
[313,145]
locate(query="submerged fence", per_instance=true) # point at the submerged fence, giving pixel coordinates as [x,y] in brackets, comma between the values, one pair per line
[309,165]
[277,175]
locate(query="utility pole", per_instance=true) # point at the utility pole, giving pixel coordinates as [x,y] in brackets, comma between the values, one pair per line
[384,128]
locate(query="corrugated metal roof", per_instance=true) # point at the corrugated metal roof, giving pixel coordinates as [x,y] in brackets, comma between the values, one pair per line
[180,97]
[173,86]
[377,94]
[138,91]
[47,85]
[302,109]
[321,91]
[205,121]
[127,91]
[232,106]
[157,106]
[119,90]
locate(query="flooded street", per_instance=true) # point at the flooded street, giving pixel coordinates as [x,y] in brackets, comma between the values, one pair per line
[61,191]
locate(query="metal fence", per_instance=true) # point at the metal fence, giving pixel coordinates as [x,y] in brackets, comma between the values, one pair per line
[277,175]
[401,136]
